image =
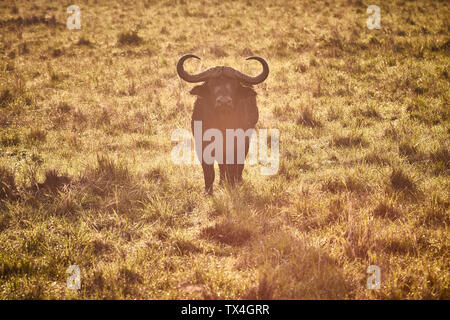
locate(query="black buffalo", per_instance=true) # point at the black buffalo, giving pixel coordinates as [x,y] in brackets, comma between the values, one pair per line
[225,100]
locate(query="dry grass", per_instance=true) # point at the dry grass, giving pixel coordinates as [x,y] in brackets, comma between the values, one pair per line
[86,177]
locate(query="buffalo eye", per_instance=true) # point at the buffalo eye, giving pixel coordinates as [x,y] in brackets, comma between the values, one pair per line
[246,92]
[201,91]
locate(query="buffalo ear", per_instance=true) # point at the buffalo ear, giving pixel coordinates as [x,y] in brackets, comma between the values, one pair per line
[201,91]
[246,92]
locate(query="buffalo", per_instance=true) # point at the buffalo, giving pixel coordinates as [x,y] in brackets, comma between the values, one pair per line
[225,100]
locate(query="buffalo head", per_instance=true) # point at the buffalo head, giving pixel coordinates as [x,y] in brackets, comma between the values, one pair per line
[223,85]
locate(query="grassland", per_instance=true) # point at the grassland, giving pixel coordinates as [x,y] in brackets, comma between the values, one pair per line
[86,176]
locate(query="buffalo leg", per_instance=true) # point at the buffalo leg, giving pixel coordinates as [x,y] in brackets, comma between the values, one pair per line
[238,173]
[208,174]
[226,174]
[239,167]
[222,169]
[208,169]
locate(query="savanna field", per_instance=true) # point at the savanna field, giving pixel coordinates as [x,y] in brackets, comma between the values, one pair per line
[87,179]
